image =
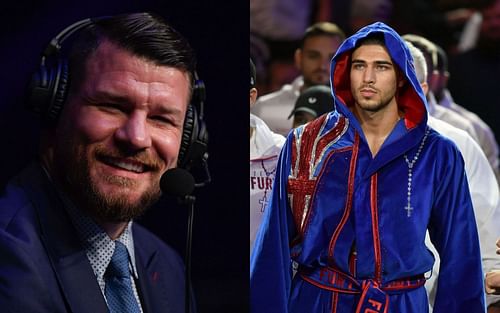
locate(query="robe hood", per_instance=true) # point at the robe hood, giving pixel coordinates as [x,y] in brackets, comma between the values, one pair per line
[410,97]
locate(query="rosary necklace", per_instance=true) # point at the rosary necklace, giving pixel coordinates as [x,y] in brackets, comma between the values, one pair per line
[411,164]
[268,173]
[263,202]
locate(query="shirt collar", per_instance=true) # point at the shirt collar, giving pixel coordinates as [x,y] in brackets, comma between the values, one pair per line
[446,100]
[98,245]
[432,103]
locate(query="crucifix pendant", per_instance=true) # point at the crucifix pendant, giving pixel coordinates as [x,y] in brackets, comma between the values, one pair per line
[263,203]
[408,209]
[411,165]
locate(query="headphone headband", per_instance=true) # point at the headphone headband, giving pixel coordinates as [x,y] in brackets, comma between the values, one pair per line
[54,45]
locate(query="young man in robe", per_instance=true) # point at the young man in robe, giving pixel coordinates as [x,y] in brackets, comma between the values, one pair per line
[356,191]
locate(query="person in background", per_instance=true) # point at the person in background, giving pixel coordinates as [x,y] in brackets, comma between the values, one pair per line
[438,85]
[265,147]
[312,58]
[482,185]
[439,112]
[312,103]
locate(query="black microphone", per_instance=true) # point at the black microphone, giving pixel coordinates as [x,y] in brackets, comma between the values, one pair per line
[179,183]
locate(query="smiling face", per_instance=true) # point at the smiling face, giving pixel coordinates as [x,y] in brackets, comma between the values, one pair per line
[373,78]
[120,130]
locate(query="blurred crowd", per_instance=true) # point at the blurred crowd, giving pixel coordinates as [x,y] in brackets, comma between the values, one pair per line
[466,33]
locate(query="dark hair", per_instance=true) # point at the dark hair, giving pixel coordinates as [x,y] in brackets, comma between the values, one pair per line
[442,60]
[322,29]
[143,34]
[372,39]
[253,75]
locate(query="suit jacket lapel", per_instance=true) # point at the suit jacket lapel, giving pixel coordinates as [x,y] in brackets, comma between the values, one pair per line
[68,258]
[152,292]
[79,284]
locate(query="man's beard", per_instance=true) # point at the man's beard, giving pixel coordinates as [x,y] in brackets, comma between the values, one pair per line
[308,82]
[370,105]
[374,107]
[108,208]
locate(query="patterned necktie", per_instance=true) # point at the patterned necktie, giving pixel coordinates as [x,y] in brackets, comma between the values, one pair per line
[119,293]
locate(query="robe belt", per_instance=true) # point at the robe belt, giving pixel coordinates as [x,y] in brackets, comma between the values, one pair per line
[374,296]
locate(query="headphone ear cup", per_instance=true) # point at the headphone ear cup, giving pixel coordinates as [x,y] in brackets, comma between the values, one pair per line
[47,91]
[194,140]
[187,139]
[38,95]
[59,90]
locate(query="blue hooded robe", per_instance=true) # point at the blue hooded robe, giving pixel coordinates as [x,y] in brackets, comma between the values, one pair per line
[339,235]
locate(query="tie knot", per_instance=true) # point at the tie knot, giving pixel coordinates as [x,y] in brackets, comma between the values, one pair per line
[119,264]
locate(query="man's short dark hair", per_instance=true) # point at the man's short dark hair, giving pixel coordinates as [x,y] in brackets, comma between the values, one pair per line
[143,34]
[372,39]
[322,29]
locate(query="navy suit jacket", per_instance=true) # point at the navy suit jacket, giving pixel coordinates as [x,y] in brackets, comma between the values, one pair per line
[44,267]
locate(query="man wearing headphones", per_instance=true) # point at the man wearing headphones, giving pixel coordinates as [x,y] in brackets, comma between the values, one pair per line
[115,120]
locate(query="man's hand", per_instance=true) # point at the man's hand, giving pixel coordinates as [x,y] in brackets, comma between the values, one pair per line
[493,282]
